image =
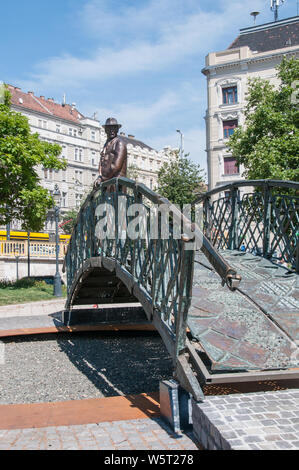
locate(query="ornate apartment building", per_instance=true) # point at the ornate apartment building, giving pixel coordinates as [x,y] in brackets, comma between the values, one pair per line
[256,52]
[81,139]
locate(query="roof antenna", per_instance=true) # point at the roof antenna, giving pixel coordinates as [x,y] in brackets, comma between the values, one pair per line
[275,4]
[64,100]
[254,14]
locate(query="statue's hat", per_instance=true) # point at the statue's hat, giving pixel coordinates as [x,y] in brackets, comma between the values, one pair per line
[112,122]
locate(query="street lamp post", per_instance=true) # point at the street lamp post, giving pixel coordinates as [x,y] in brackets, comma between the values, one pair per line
[57,278]
[182,145]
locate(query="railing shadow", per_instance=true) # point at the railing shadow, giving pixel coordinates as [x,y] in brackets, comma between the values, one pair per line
[119,363]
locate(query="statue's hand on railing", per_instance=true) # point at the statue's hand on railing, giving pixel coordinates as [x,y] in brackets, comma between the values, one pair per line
[98,181]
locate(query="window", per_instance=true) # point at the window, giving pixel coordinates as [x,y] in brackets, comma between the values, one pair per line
[42,124]
[229,127]
[230,166]
[70,131]
[75,132]
[64,200]
[48,174]
[64,151]
[230,95]
[58,128]
[78,198]
[63,175]
[93,135]
[93,159]
[78,155]
[78,176]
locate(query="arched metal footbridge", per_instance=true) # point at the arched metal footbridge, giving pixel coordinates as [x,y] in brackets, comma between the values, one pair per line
[224,297]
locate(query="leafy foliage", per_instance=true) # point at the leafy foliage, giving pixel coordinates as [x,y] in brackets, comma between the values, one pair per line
[268,145]
[180,180]
[21,195]
[69,221]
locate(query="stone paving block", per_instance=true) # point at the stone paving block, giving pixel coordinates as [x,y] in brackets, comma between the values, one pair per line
[252,439]
[265,446]
[283,445]
[288,437]
[243,420]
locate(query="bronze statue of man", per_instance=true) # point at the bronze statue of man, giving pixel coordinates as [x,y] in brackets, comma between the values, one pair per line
[113,160]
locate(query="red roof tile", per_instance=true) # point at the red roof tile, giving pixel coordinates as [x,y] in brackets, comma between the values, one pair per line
[44,106]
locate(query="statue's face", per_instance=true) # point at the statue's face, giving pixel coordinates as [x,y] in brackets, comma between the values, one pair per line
[111,131]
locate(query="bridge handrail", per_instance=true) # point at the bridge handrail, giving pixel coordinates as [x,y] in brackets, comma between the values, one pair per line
[243,183]
[265,222]
[228,274]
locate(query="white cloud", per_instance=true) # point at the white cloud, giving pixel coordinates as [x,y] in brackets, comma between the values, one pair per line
[154,37]
[170,42]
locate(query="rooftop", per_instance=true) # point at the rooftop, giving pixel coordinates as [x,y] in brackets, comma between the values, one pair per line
[269,36]
[42,105]
[135,142]
[28,101]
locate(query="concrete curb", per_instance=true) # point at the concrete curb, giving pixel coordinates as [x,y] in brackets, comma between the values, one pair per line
[44,307]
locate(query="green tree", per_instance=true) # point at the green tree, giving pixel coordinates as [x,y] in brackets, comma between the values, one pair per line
[21,152]
[180,180]
[69,221]
[268,144]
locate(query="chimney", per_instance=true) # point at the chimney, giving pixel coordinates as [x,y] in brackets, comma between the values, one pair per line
[122,133]
[30,93]
[131,136]
[42,97]
[51,100]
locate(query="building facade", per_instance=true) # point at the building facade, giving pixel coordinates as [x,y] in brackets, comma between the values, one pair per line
[256,52]
[82,139]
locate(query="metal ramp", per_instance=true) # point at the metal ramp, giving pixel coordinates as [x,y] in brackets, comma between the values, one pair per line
[253,329]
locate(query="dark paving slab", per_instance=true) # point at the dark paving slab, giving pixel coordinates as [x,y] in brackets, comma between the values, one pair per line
[238,330]
[274,288]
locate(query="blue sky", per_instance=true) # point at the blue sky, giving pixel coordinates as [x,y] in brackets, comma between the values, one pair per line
[137,60]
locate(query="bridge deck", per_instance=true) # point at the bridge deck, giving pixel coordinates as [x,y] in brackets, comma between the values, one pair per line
[254,328]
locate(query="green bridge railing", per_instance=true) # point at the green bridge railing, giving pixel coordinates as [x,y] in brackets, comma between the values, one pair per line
[263,220]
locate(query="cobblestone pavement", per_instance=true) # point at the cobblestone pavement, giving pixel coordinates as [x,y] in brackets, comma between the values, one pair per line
[139,434]
[253,421]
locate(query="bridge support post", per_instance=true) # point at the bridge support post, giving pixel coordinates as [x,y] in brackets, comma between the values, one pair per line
[175,406]
[233,231]
[266,222]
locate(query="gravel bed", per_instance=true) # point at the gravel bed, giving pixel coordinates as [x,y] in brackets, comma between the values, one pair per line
[58,367]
